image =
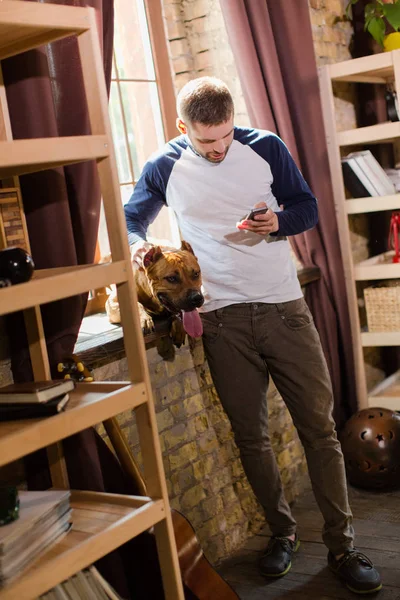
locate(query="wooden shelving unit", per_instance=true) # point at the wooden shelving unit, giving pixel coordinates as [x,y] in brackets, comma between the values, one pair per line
[49,285]
[378,69]
[101,522]
[89,404]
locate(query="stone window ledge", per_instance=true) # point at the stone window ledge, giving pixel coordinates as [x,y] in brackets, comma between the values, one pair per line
[99,342]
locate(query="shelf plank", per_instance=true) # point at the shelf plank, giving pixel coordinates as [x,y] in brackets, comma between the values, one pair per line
[101,523]
[377,267]
[369,204]
[89,404]
[380,339]
[374,134]
[28,156]
[377,68]
[24,25]
[387,393]
[54,284]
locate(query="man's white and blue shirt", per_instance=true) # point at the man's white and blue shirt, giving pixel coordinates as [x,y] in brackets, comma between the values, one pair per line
[208,200]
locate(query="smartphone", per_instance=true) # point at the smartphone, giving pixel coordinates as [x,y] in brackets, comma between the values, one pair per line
[256,211]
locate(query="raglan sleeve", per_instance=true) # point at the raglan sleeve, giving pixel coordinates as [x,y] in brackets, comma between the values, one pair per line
[145,203]
[291,190]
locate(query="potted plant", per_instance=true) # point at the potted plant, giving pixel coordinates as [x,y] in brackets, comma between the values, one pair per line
[382,16]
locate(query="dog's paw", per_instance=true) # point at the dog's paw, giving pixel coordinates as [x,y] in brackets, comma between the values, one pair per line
[112,305]
[178,334]
[146,322]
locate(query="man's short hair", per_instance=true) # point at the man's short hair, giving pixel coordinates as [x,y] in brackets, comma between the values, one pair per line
[205,100]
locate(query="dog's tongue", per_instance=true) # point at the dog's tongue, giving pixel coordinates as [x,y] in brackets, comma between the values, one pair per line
[192,323]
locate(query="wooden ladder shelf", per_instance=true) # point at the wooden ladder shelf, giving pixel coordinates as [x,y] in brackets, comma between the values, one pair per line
[381,68]
[114,518]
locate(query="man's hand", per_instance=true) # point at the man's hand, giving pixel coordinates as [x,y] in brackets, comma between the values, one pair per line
[138,251]
[263,224]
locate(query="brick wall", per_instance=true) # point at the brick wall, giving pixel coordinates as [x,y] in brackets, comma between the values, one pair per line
[204,473]
[199,46]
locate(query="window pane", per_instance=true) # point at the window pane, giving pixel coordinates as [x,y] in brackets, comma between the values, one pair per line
[164,230]
[143,121]
[103,235]
[126,193]
[132,42]
[120,143]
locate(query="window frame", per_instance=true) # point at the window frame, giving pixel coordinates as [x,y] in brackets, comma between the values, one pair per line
[166,94]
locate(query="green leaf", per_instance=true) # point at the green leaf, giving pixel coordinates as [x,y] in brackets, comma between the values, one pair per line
[392,13]
[373,9]
[376,28]
[369,12]
[348,8]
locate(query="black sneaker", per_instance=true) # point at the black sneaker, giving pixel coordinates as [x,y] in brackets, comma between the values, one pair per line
[357,571]
[277,558]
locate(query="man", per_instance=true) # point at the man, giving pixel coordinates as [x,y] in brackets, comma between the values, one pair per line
[256,322]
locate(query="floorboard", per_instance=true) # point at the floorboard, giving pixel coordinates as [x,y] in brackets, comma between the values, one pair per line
[377,526]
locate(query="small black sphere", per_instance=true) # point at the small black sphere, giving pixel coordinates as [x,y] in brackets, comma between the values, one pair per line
[16,265]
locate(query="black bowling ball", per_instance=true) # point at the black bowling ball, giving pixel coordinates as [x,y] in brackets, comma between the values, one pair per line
[16,266]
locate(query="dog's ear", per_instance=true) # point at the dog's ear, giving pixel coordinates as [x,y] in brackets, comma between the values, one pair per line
[152,256]
[186,246]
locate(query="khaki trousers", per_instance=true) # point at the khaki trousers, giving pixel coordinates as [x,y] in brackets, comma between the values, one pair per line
[244,345]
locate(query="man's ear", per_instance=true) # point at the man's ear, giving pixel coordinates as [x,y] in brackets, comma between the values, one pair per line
[152,256]
[186,246]
[181,126]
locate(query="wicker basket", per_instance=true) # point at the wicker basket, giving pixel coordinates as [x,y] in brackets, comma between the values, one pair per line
[382,304]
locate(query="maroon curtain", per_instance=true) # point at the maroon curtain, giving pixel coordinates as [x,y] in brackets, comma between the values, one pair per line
[46,98]
[274,53]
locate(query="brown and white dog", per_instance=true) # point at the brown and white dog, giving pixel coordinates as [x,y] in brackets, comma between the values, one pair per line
[168,286]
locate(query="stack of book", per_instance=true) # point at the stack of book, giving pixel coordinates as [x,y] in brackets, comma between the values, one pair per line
[363,176]
[43,518]
[88,584]
[394,176]
[34,399]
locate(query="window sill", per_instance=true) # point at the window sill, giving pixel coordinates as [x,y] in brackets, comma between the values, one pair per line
[99,342]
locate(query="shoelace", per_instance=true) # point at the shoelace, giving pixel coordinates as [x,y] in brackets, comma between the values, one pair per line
[355,555]
[282,541]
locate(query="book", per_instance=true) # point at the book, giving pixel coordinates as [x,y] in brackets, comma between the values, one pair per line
[42,543]
[43,518]
[14,412]
[35,508]
[69,588]
[35,391]
[59,593]
[375,173]
[87,584]
[394,176]
[354,185]
[96,586]
[111,593]
[29,541]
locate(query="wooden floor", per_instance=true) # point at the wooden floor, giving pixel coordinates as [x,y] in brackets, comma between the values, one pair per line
[377,526]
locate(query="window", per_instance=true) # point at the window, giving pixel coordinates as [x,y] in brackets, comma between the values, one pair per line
[142,102]
[142,111]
